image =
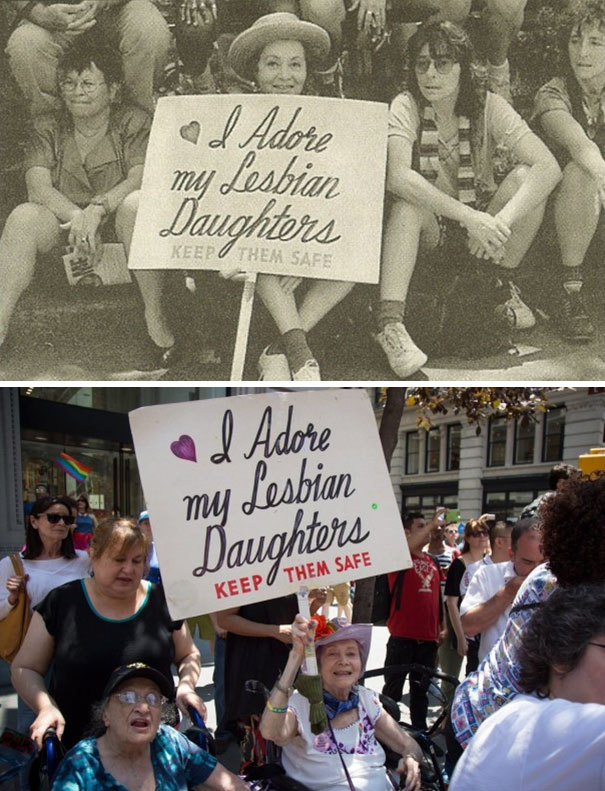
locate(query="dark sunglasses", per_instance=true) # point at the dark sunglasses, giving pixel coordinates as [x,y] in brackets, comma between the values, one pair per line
[479,534]
[54,519]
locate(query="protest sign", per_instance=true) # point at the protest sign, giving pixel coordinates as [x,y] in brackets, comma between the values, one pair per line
[250,497]
[289,185]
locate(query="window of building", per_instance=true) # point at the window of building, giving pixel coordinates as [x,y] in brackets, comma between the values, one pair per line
[412,444]
[508,503]
[554,433]
[427,503]
[525,436]
[496,443]
[432,450]
[453,446]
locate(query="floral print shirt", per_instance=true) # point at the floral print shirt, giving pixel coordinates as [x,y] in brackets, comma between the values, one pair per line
[178,764]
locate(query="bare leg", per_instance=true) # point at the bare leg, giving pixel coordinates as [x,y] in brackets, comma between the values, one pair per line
[329,14]
[281,305]
[577,211]
[151,283]
[524,230]
[503,20]
[405,226]
[319,300]
[29,231]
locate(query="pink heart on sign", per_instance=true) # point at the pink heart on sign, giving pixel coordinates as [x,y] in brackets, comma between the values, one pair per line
[184,448]
[191,132]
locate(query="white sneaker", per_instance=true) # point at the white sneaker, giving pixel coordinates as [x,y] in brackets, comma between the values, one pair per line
[517,313]
[273,367]
[405,358]
[308,373]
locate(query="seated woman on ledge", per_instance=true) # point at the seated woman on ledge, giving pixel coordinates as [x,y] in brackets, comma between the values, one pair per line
[356,718]
[134,750]
[82,166]
[442,136]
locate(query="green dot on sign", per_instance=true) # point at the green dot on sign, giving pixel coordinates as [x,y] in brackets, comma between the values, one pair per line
[374,506]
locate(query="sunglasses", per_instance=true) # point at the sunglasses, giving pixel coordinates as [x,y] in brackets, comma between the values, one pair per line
[479,534]
[442,64]
[129,697]
[54,519]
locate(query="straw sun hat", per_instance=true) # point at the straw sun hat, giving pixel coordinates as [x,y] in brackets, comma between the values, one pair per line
[247,46]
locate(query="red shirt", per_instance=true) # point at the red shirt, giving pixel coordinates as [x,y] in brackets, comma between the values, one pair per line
[418,615]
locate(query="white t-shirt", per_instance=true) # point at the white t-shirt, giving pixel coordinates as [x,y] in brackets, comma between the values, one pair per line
[313,759]
[44,576]
[486,582]
[536,744]
[471,570]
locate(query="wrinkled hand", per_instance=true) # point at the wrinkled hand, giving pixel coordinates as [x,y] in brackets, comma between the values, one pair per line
[198,12]
[302,632]
[83,228]
[289,283]
[48,717]
[58,16]
[371,16]
[185,697]
[487,235]
[87,17]
[14,585]
[411,768]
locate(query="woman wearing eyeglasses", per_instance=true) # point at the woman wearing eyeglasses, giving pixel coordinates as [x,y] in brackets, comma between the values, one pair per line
[443,134]
[476,540]
[91,626]
[132,750]
[81,167]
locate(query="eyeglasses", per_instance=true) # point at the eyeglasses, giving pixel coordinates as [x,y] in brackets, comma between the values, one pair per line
[129,697]
[88,86]
[442,64]
[479,534]
[54,519]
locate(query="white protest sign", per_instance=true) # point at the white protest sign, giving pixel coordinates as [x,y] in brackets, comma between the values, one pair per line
[250,497]
[290,185]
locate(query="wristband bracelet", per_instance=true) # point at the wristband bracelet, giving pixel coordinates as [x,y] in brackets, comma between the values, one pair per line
[276,709]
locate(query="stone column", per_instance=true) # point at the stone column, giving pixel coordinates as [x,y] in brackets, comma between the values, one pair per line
[472,462]
[12,532]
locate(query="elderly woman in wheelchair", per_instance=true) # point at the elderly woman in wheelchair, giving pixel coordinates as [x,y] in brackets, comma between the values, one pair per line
[347,755]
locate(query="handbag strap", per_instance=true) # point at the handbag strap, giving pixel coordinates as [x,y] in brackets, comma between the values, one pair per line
[17,564]
[342,760]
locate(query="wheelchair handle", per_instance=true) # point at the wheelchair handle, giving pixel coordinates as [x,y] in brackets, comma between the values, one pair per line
[422,670]
[50,745]
[195,717]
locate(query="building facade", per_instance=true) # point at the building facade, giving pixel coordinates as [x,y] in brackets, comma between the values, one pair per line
[499,470]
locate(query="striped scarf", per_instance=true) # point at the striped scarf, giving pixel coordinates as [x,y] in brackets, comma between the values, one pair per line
[429,155]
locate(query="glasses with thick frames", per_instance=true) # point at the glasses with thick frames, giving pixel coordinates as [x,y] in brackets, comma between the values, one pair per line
[442,64]
[54,519]
[88,86]
[129,697]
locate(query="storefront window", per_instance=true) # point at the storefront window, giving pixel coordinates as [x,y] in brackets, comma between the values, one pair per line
[112,485]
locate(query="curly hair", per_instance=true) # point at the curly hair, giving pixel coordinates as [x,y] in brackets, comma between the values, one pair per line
[450,40]
[573,525]
[90,50]
[557,635]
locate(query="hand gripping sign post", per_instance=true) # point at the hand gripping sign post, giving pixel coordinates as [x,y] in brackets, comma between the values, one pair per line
[284,185]
[253,496]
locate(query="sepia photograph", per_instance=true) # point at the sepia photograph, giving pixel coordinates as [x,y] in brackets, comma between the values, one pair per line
[302,190]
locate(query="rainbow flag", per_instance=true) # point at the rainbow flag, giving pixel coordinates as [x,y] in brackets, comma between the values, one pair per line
[73,467]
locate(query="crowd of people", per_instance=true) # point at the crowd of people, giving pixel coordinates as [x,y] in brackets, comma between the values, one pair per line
[96,663]
[90,71]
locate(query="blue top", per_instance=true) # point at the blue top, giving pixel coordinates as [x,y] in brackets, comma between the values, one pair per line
[178,764]
[84,523]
